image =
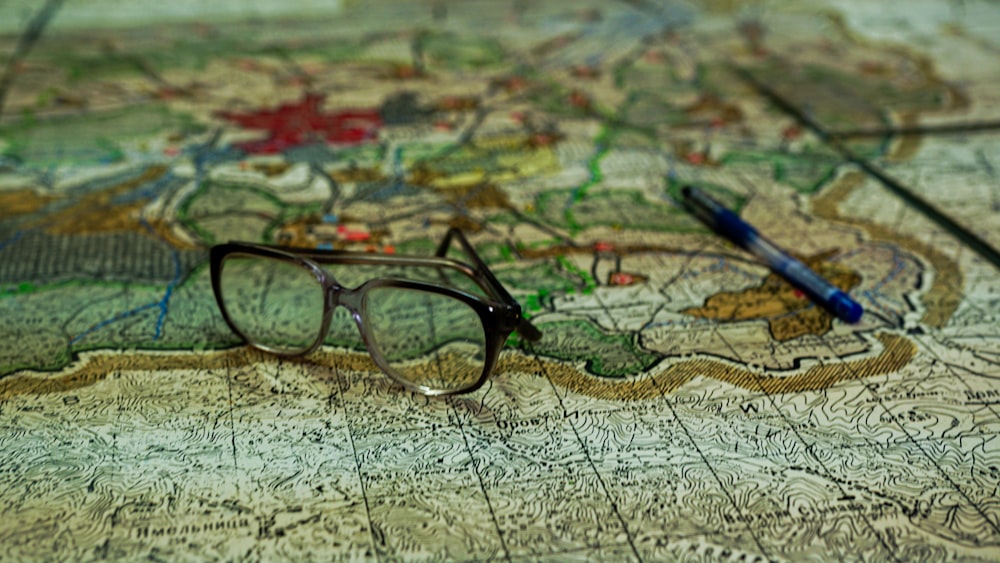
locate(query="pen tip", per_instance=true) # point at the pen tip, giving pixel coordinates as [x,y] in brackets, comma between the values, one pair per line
[846,308]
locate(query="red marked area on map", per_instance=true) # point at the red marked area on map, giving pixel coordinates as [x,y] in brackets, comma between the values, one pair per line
[291,125]
[353,235]
[622,278]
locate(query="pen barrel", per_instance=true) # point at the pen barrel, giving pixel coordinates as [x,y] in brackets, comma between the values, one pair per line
[804,278]
[729,225]
[797,273]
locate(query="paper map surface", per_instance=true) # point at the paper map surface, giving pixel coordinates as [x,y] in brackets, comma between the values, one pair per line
[683,402]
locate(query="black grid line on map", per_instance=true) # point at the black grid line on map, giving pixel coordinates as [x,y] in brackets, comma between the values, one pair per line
[231,415]
[732,500]
[26,41]
[687,432]
[666,395]
[592,466]
[910,438]
[809,448]
[546,468]
[357,466]
[482,483]
[403,430]
[900,190]
[920,447]
[955,374]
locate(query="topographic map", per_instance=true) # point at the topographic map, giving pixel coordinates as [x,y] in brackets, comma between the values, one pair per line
[683,403]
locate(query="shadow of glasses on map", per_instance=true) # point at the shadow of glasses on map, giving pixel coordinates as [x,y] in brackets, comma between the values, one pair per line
[354,380]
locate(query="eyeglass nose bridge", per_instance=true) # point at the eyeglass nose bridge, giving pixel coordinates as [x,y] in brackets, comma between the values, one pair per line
[351,299]
[337,295]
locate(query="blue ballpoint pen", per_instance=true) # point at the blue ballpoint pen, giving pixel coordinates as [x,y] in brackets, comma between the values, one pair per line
[728,224]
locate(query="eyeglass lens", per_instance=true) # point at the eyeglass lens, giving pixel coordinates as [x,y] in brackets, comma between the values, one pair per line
[275,304]
[428,339]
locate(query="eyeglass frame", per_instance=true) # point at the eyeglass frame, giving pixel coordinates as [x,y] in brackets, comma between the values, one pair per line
[501,315]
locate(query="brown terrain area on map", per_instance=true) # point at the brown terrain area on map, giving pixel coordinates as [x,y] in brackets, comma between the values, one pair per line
[789,313]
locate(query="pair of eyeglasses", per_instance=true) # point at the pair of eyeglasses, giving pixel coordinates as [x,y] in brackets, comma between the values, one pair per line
[434,324]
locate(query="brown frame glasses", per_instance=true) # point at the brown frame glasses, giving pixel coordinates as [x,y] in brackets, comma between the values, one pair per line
[263,290]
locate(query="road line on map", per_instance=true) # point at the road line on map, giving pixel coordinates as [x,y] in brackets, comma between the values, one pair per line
[178,276]
[17,235]
[119,317]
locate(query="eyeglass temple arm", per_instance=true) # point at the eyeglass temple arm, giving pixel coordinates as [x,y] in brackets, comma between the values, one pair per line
[524,327]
